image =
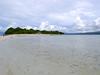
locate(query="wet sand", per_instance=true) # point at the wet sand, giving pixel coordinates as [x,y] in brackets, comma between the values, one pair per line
[49,55]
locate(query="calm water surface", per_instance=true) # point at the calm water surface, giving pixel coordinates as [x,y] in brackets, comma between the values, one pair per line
[50,55]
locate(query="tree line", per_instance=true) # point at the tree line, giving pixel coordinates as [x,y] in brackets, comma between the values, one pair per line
[19,30]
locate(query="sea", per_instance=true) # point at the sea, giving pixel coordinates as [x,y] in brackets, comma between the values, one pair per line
[50,55]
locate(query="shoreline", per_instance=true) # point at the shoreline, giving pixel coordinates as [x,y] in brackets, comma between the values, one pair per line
[4,37]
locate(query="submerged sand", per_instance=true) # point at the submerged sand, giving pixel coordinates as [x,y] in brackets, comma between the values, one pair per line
[49,55]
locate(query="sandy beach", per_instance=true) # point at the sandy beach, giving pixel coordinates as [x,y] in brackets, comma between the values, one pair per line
[49,55]
[21,35]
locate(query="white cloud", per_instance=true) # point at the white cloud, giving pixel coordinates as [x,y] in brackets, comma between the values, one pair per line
[82,16]
[35,28]
[27,27]
[46,26]
[83,4]
[13,24]
[1,28]
[83,8]
[97,21]
[61,13]
[79,22]
[58,16]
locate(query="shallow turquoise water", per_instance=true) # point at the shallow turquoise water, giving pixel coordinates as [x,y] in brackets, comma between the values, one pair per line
[50,55]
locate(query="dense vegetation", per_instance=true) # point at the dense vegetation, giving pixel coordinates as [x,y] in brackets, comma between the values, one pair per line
[19,30]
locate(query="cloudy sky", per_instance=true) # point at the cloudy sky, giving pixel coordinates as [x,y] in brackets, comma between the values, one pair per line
[62,15]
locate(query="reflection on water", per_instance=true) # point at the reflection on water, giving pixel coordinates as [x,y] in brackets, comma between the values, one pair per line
[50,55]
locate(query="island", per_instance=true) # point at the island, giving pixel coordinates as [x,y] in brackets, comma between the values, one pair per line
[19,30]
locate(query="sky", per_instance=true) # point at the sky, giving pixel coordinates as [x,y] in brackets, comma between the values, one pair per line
[63,15]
